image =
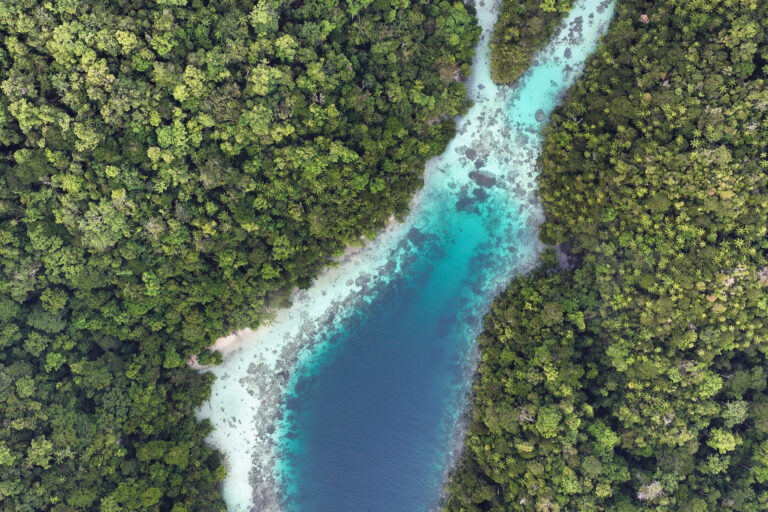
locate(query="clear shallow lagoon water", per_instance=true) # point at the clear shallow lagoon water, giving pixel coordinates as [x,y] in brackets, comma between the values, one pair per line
[351,400]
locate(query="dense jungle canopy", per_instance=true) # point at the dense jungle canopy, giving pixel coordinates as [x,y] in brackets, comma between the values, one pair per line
[169,170]
[632,374]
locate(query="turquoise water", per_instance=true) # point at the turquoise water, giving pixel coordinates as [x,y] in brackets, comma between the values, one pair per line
[371,415]
[352,398]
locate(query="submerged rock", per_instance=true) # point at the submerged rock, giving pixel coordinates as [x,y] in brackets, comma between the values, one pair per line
[482,180]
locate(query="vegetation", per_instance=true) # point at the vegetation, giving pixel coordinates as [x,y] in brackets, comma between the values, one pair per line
[168,170]
[522,29]
[634,377]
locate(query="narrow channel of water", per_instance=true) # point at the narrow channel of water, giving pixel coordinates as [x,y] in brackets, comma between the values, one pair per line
[351,399]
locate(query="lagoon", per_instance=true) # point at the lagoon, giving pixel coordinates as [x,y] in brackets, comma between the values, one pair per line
[353,398]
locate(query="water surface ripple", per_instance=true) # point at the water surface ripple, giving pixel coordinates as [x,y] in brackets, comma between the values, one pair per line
[351,399]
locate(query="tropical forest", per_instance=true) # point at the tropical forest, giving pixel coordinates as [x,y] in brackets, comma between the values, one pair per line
[176,171]
[628,371]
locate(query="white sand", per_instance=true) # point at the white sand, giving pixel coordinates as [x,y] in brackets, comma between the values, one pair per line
[225,345]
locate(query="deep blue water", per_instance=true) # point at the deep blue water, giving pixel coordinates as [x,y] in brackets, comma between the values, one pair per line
[371,416]
[371,419]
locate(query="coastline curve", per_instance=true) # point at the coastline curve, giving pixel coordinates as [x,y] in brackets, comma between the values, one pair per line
[487,173]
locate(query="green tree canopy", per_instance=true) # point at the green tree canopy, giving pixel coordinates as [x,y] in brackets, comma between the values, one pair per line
[652,348]
[169,171]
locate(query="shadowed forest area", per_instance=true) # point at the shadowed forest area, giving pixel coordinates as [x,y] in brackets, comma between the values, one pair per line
[169,171]
[633,376]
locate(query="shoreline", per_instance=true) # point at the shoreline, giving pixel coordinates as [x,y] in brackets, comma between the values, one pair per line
[269,354]
[250,389]
[229,344]
[225,345]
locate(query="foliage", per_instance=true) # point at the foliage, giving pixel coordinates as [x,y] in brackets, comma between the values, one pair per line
[169,170]
[636,381]
[521,30]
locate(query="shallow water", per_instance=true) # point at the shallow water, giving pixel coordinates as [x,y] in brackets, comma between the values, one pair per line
[381,348]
